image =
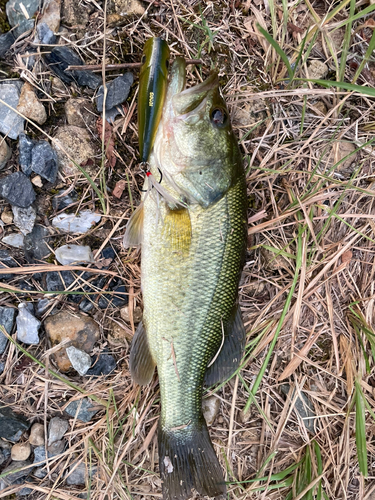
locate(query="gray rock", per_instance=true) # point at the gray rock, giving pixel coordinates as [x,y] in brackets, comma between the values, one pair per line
[6,261]
[210,408]
[25,145]
[57,428]
[24,218]
[27,326]
[6,41]
[304,407]
[59,202]
[13,474]
[44,161]
[69,254]
[7,315]
[61,57]
[42,306]
[45,35]
[15,12]
[111,114]
[11,123]
[104,364]
[74,146]
[2,457]
[81,361]
[79,473]
[73,223]
[117,92]
[2,367]
[12,425]
[24,492]
[15,240]
[5,152]
[118,299]
[35,244]
[25,25]
[17,190]
[83,409]
[58,281]
[56,448]
[40,453]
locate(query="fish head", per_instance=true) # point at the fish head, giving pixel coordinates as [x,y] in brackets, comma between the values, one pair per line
[196,148]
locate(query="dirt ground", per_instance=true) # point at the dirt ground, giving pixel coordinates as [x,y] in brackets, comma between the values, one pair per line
[297,420]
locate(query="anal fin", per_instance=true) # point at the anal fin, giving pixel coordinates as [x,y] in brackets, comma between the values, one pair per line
[230,354]
[141,363]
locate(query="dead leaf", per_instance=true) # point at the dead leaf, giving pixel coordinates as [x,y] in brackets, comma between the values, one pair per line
[119,189]
[346,256]
[109,143]
[345,349]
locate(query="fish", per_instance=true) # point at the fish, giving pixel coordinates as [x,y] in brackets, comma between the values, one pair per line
[192,256]
[153,80]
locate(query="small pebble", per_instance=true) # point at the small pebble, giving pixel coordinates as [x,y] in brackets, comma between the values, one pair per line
[21,451]
[73,223]
[25,145]
[24,218]
[11,124]
[210,407]
[17,189]
[27,326]
[7,317]
[36,244]
[104,364]
[81,361]
[5,152]
[37,435]
[37,181]
[61,201]
[44,161]
[12,424]
[83,409]
[137,314]
[30,106]
[69,254]
[57,428]
[7,217]
[15,240]
[78,473]
[56,448]
[117,92]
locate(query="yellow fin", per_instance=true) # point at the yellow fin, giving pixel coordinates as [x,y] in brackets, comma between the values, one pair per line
[177,229]
[134,228]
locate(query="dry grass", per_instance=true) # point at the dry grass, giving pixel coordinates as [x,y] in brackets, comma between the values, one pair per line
[307,293]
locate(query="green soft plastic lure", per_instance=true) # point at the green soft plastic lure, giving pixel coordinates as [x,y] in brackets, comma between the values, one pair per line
[153,80]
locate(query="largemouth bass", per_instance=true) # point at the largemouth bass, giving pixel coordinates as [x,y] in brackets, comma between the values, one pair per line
[153,79]
[192,256]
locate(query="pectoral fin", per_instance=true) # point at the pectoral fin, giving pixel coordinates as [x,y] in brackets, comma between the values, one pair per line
[141,363]
[134,229]
[229,357]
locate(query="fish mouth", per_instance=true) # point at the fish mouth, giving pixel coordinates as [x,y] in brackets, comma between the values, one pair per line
[183,100]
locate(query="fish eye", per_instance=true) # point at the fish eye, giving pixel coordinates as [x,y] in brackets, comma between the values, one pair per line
[143,60]
[219,117]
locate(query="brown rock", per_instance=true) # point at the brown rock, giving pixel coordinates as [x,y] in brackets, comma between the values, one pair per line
[7,217]
[317,69]
[20,451]
[75,142]
[81,331]
[30,106]
[74,13]
[137,314]
[51,14]
[37,435]
[5,152]
[126,7]
[80,112]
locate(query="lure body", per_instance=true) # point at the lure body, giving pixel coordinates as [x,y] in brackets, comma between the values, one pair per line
[153,81]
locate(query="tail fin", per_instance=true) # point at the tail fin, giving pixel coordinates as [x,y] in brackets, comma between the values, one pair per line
[187,460]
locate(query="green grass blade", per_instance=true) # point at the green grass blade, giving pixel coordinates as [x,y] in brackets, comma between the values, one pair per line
[361,89]
[278,49]
[360,429]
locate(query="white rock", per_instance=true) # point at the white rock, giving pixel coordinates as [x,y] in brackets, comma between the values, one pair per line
[27,326]
[24,218]
[210,407]
[81,361]
[69,254]
[73,223]
[57,428]
[14,240]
